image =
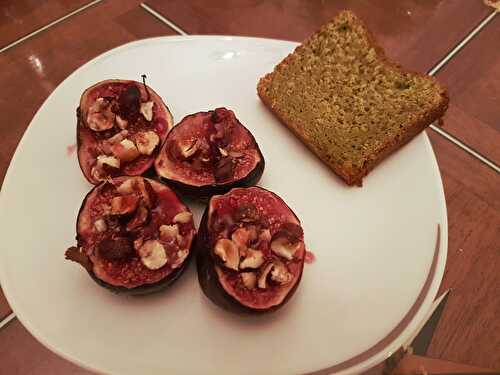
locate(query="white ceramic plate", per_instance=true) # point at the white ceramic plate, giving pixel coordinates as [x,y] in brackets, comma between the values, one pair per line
[374,245]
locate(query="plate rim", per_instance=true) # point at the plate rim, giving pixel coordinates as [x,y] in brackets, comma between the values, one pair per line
[373,360]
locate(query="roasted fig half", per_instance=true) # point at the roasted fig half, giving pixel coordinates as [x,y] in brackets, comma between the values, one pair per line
[209,153]
[120,128]
[250,251]
[134,235]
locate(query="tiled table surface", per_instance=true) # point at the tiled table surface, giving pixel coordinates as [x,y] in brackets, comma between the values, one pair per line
[419,34]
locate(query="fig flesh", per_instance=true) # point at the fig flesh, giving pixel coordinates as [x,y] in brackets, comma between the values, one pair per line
[237,267]
[209,153]
[126,251]
[120,127]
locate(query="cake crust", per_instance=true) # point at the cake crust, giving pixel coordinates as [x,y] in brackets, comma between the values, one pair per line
[352,164]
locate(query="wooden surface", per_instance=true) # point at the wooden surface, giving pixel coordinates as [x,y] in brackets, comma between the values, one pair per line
[474,114]
[21,17]
[42,62]
[21,354]
[469,329]
[4,306]
[415,364]
[416,33]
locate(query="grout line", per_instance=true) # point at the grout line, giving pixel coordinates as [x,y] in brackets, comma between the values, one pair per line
[7,320]
[466,148]
[43,28]
[463,43]
[431,72]
[166,21]
[438,67]
[176,28]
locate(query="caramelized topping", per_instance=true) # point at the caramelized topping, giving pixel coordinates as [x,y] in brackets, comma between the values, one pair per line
[278,273]
[247,213]
[100,226]
[139,219]
[293,232]
[209,150]
[281,246]
[188,148]
[125,150]
[183,217]
[262,283]
[122,123]
[249,279]
[141,187]
[228,252]
[243,236]
[147,142]
[105,166]
[147,110]
[223,169]
[115,250]
[153,255]
[253,259]
[129,103]
[169,233]
[100,117]
[125,204]
[118,137]
[253,244]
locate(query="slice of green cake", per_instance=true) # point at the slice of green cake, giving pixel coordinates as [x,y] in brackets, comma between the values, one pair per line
[342,97]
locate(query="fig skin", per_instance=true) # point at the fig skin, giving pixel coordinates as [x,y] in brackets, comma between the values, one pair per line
[209,280]
[147,169]
[204,192]
[148,288]
[145,289]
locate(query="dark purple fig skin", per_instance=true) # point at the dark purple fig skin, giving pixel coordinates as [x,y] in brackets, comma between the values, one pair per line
[79,124]
[209,280]
[148,169]
[148,288]
[204,192]
[143,289]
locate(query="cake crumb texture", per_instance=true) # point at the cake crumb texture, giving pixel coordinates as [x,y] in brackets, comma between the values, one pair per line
[351,106]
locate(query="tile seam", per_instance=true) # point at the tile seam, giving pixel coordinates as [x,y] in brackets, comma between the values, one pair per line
[163,19]
[7,320]
[48,26]
[457,142]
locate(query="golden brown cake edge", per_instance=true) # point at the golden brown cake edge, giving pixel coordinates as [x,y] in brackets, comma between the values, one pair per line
[354,177]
